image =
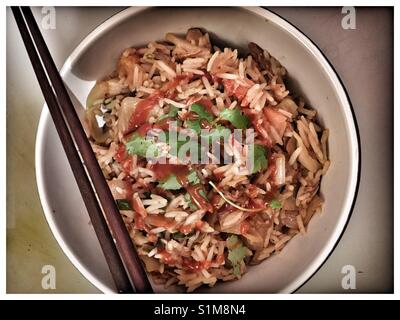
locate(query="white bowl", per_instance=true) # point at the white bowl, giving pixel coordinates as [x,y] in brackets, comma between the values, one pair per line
[310,75]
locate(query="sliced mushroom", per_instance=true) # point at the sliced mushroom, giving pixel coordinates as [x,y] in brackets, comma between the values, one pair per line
[289,219]
[313,206]
[194,34]
[197,36]
[290,204]
[253,240]
[258,230]
[258,55]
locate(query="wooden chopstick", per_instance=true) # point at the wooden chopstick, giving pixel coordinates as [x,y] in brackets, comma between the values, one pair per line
[96,216]
[62,100]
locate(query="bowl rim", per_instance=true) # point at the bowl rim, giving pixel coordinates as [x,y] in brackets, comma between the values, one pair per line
[343,96]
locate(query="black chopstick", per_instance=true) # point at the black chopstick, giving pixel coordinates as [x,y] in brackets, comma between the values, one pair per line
[62,100]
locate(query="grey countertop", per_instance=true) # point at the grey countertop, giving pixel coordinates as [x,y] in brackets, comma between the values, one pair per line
[362,57]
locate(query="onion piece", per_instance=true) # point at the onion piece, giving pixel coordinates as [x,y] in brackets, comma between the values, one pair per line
[128,106]
[232,203]
[280,175]
[99,133]
[96,94]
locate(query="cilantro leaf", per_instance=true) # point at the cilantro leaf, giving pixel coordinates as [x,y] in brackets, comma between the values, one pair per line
[236,269]
[237,255]
[173,112]
[194,125]
[231,241]
[191,146]
[237,252]
[258,158]
[174,141]
[275,204]
[141,146]
[193,178]
[192,206]
[203,194]
[201,112]
[171,183]
[216,134]
[235,117]
[190,150]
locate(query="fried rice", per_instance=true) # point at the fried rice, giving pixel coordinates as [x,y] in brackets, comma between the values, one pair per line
[196,222]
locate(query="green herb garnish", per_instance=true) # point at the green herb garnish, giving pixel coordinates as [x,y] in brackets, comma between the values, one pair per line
[216,134]
[259,158]
[235,117]
[201,112]
[237,252]
[192,206]
[194,125]
[175,141]
[193,177]
[171,183]
[275,204]
[173,112]
[141,146]
[203,115]
[203,194]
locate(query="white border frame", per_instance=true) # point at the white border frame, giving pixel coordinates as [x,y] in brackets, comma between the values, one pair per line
[117,18]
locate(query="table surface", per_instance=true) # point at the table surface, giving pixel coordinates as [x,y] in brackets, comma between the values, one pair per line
[363,58]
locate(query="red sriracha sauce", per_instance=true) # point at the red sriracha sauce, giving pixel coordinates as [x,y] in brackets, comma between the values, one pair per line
[166,257]
[176,81]
[207,104]
[244,227]
[144,107]
[194,265]
[142,111]
[220,259]
[123,158]
[186,229]
[233,89]
[143,129]
[198,199]
[127,165]
[121,153]
[139,222]
[163,171]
